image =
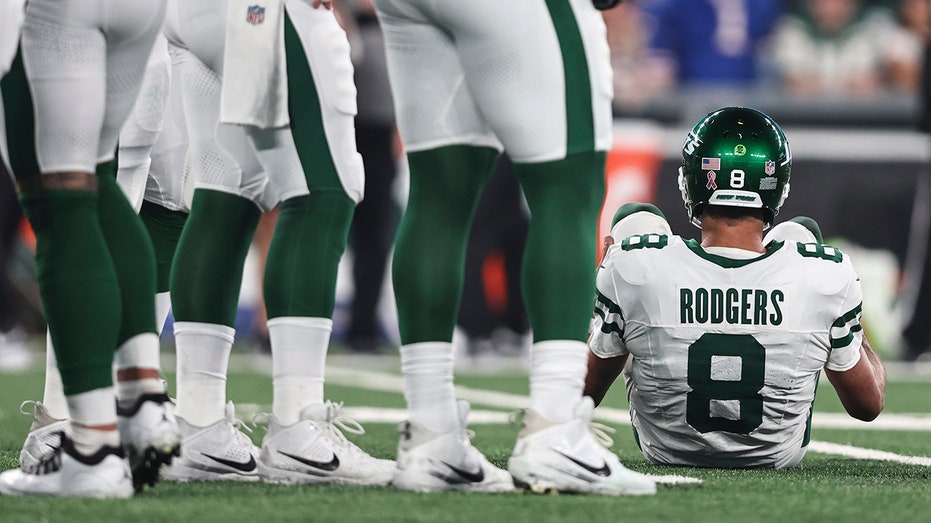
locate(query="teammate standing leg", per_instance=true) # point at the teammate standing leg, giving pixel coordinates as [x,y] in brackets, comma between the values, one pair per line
[468,77]
[312,169]
[94,263]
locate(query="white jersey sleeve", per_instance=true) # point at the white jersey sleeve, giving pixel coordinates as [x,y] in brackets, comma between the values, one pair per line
[606,339]
[846,331]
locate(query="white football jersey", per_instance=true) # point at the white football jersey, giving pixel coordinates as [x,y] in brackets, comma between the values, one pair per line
[726,353]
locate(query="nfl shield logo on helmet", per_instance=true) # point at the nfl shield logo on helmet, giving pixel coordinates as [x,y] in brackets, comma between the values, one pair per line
[769,167]
[255,14]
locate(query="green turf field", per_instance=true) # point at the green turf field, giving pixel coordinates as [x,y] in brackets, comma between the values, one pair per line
[838,486]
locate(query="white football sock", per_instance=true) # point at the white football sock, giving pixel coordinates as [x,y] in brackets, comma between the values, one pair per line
[557,378]
[428,385]
[93,408]
[139,352]
[203,351]
[162,308]
[299,349]
[54,395]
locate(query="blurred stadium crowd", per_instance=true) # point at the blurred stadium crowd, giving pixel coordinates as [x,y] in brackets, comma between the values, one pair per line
[832,65]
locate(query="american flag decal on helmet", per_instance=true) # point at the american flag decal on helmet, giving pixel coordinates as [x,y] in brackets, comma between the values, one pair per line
[255,14]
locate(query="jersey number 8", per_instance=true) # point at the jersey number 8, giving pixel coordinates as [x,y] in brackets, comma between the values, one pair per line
[744,391]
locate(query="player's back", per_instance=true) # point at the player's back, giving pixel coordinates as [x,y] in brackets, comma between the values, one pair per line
[727,352]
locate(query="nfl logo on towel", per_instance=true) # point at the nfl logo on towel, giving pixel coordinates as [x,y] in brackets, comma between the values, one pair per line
[255,14]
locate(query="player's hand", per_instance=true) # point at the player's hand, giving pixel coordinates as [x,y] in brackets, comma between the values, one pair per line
[605,4]
[326,4]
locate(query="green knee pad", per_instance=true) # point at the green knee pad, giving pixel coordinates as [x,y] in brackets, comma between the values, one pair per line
[132,254]
[558,273]
[207,269]
[164,227]
[309,239]
[429,256]
[78,283]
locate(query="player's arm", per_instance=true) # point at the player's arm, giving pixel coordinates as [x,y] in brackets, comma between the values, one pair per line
[608,351]
[861,388]
[601,375]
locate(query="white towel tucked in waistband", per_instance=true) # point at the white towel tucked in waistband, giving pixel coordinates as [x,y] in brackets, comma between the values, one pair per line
[255,75]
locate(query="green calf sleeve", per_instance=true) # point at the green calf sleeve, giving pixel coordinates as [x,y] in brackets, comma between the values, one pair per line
[78,283]
[309,239]
[132,254]
[164,227]
[207,270]
[558,274]
[429,256]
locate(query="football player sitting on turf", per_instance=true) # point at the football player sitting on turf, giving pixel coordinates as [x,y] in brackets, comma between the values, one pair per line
[722,341]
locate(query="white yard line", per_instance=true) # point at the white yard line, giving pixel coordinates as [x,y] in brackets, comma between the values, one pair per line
[825,447]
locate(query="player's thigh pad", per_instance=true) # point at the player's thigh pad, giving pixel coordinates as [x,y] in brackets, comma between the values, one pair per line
[84,61]
[141,130]
[434,106]
[169,183]
[327,53]
[220,158]
[539,71]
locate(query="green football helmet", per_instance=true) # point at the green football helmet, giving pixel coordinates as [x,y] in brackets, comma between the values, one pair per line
[735,156]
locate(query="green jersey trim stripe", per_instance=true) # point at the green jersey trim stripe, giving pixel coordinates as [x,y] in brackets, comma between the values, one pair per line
[843,342]
[606,326]
[580,118]
[806,439]
[20,121]
[608,304]
[307,130]
[730,263]
[840,322]
[603,302]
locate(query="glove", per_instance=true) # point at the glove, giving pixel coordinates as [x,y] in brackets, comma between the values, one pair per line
[601,5]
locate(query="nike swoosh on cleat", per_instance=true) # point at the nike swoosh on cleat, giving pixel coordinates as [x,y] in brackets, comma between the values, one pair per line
[603,471]
[328,466]
[469,477]
[247,466]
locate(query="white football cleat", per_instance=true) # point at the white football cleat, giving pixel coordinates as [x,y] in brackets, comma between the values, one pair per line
[314,450]
[567,457]
[149,432]
[68,473]
[217,452]
[44,434]
[432,462]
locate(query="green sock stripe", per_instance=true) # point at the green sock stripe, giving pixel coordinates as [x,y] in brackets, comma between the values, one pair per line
[164,227]
[20,121]
[307,129]
[78,284]
[580,118]
[303,259]
[132,254]
[206,273]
